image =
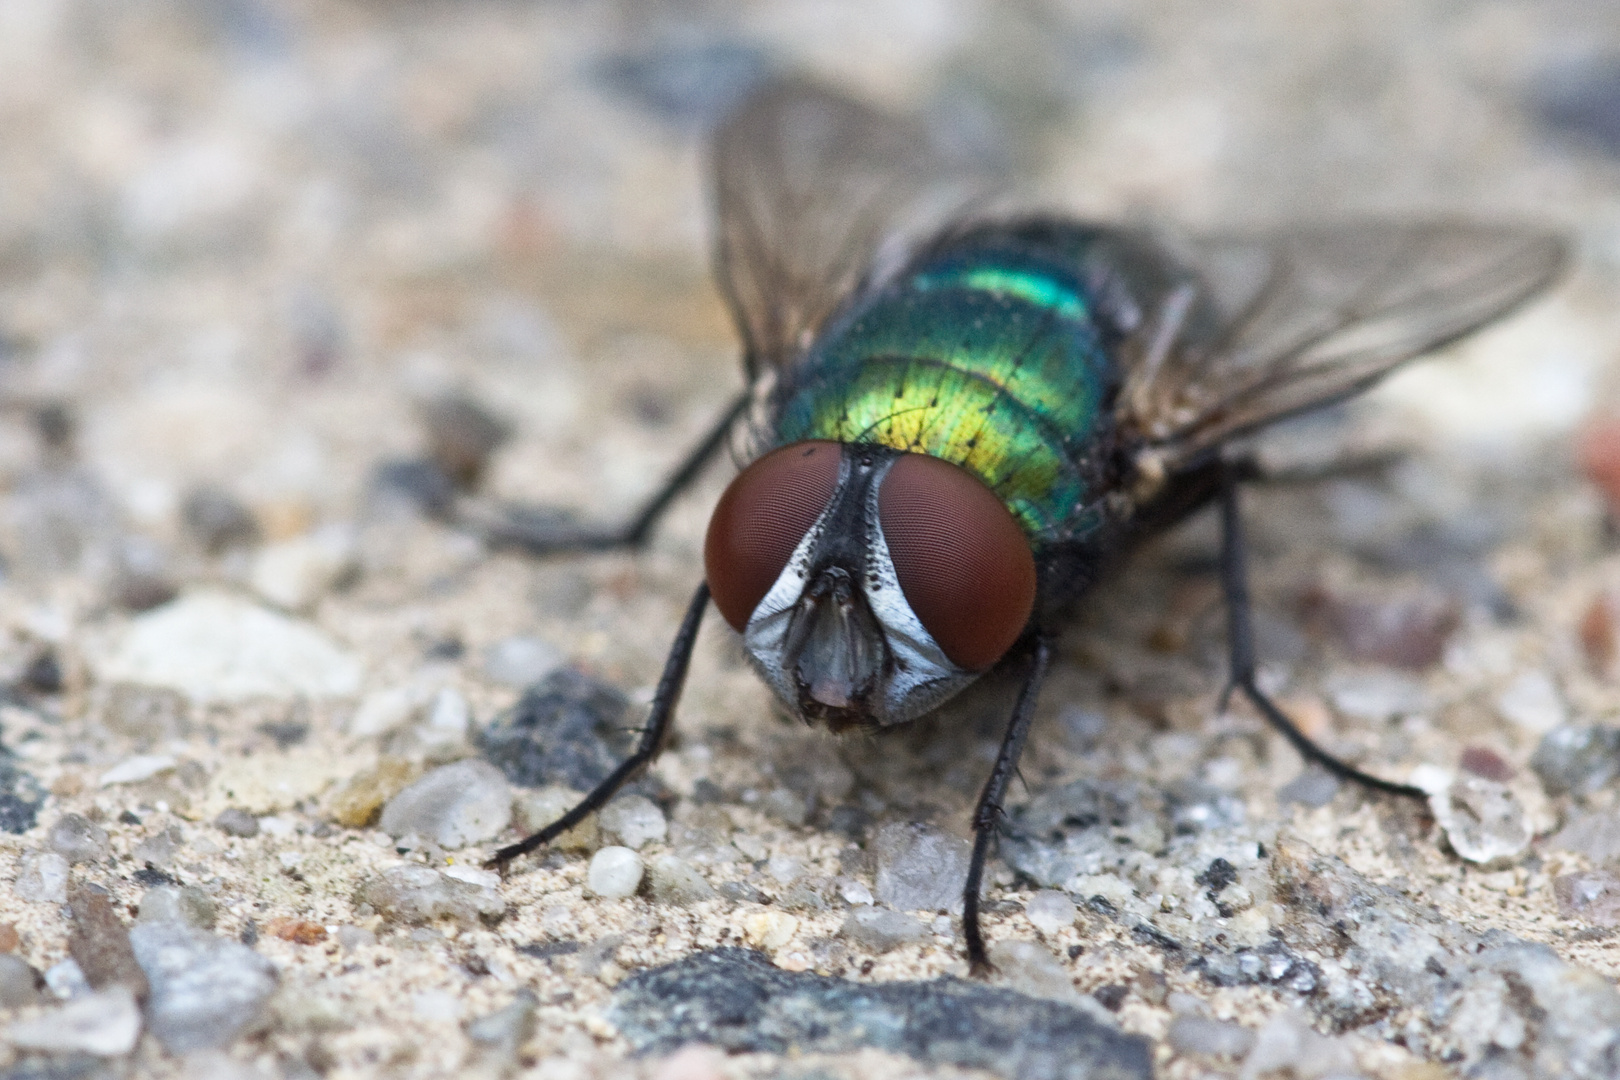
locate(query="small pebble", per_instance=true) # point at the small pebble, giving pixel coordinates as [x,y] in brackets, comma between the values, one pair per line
[1111,997]
[786,806]
[65,980]
[880,930]
[614,872]
[501,1035]
[1532,702]
[105,1023]
[520,662]
[534,810]
[217,520]
[769,930]
[854,892]
[100,943]
[1577,759]
[413,895]
[919,867]
[77,839]
[1287,1042]
[237,822]
[42,878]
[1483,821]
[411,485]
[1591,897]
[1600,634]
[206,990]
[1050,911]
[1031,969]
[354,938]
[1409,630]
[297,931]
[159,849]
[382,711]
[673,880]
[462,433]
[454,805]
[293,574]
[569,729]
[633,821]
[20,984]
[359,801]
[133,770]
[1483,761]
[1595,835]
[1313,787]
[172,903]
[1190,1034]
[215,647]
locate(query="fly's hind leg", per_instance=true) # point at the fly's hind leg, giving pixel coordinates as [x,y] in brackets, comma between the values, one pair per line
[653,736]
[987,816]
[544,532]
[1240,641]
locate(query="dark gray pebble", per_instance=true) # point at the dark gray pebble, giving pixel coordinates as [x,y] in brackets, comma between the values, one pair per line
[735,999]
[567,729]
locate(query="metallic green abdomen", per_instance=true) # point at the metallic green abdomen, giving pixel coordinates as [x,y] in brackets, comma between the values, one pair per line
[988,357]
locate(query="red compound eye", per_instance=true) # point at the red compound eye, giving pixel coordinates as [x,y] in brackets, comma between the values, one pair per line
[963,561]
[760,520]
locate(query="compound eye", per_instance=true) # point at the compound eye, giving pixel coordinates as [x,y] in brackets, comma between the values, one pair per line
[761,519]
[963,561]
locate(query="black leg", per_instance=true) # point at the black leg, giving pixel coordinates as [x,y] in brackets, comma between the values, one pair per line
[542,533]
[652,737]
[1240,640]
[987,816]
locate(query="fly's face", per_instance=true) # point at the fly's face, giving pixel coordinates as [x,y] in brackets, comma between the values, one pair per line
[868,585]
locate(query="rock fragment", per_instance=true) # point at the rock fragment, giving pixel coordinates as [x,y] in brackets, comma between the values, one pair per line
[454,805]
[521,661]
[1483,820]
[1192,1034]
[880,930]
[105,1023]
[1595,834]
[535,810]
[614,872]
[633,821]
[569,729]
[735,999]
[100,944]
[293,574]
[1577,759]
[413,895]
[20,983]
[217,647]
[1050,911]
[919,867]
[1592,897]
[673,880]
[173,903]
[498,1038]
[42,878]
[217,520]
[235,821]
[206,990]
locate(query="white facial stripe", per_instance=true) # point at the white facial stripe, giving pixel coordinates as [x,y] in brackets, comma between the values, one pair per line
[921,676]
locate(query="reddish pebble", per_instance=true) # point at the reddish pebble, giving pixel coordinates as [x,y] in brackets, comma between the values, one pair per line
[10,940]
[1482,761]
[1598,451]
[1599,636]
[1408,630]
[297,931]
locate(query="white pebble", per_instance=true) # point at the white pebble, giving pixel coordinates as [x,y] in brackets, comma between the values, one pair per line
[42,878]
[105,1023]
[137,768]
[381,711]
[614,872]
[1050,911]
[633,820]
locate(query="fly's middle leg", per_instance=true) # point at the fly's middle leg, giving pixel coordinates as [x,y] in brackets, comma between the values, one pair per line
[987,815]
[1241,657]
[653,737]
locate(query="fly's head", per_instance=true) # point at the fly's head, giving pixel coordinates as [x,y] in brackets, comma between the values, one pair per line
[869,585]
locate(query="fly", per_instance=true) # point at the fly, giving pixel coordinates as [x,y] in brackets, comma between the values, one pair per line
[958,427]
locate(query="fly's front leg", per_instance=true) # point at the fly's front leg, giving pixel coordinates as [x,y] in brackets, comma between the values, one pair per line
[987,816]
[653,736]
[541,532]
[1241,658]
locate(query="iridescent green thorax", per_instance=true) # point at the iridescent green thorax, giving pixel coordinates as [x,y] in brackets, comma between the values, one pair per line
[987,355]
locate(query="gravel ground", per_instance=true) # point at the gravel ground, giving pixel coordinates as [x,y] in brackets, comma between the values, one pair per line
[275,277]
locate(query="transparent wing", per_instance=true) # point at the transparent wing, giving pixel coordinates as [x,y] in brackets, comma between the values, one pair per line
[1258,330]
[815,195]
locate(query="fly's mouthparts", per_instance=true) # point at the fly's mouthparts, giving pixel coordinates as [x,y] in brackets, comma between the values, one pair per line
[833,645]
